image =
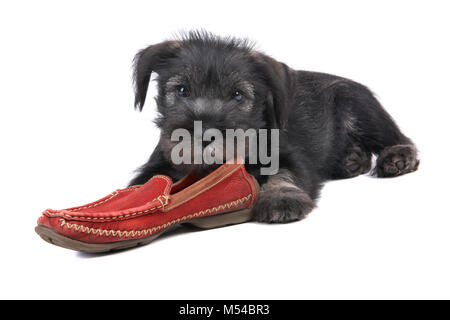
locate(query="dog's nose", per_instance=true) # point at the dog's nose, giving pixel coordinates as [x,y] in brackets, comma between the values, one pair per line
[209,122]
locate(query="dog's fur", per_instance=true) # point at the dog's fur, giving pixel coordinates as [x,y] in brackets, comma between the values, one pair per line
[329,126]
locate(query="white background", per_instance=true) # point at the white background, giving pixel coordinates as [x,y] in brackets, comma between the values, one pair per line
[69,135]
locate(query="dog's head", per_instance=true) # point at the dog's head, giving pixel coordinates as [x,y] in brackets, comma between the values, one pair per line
[222,82]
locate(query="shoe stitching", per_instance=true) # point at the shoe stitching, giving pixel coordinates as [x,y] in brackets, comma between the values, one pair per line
[163,204]
[149,231]
[113,194]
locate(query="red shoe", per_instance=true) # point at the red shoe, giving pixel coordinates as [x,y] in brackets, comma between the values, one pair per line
[127,218]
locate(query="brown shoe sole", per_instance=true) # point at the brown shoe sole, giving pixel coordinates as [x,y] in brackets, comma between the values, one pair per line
[216,221]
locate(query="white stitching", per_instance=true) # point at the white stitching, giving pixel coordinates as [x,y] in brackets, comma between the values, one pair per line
[145,232]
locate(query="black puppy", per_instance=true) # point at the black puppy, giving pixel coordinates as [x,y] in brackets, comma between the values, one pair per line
[329,126]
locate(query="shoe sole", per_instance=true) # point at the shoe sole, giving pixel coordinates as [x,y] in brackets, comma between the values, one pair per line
[216,221]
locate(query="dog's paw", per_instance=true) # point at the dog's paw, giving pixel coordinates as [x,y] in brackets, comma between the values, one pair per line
[282,205]
[356,162]
[397,160]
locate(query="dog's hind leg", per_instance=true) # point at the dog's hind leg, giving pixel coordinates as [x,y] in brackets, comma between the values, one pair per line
[397,160]
[376,132]
[355,161]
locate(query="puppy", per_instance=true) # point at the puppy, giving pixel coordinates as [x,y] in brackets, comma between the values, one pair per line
[329,126]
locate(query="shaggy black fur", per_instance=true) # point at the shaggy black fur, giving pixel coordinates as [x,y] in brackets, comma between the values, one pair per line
[330,126]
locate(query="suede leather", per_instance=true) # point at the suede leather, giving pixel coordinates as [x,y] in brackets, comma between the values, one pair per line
[144,210]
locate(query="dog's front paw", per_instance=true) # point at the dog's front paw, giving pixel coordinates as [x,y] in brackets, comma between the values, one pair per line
[282,205]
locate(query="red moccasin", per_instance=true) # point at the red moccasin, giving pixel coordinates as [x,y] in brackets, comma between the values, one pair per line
[139,214]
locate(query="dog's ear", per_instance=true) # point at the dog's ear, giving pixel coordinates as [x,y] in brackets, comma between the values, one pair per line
[279,79]
[145,62]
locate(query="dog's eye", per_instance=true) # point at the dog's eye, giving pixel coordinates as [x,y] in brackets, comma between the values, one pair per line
[182,91]
[238,96]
